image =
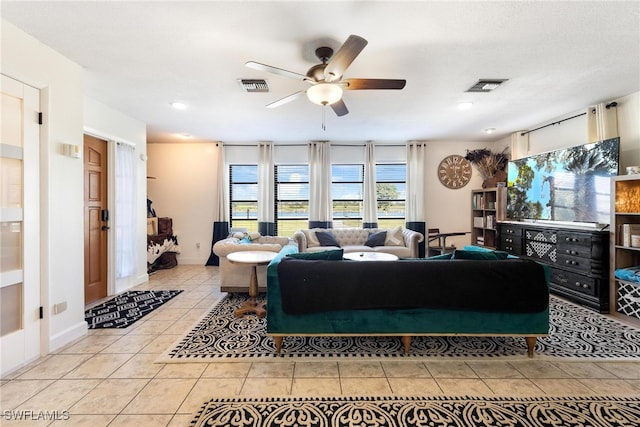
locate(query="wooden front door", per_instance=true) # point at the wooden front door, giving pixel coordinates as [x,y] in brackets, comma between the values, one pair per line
[96,219]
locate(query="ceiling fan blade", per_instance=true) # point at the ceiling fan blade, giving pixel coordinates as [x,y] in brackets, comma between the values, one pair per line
[363,84]
[340,108]
[341,60]
[286,99]
[275,70]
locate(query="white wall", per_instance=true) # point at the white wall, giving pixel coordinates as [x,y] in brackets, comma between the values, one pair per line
[107,123]
[60,82]
[185,176]
[575,132]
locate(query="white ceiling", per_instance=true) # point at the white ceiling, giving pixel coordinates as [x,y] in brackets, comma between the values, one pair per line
[139,56]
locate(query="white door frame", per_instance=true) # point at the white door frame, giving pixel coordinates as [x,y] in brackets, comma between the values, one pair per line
[25,344]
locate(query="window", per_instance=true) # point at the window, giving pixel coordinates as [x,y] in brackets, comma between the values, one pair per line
[391,191]
[291,198]
[243,197]
[347,189]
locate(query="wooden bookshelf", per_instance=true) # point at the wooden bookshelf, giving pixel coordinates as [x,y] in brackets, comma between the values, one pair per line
[625,210]
[488,206]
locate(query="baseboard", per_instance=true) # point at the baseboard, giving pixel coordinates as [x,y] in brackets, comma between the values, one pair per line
[58,341]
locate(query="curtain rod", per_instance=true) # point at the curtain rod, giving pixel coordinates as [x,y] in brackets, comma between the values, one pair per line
[305,145]
[609,105]
[551,124]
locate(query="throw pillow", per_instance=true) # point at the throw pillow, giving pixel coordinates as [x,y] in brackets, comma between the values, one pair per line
[326,238]
[331,255]
[244,240]
[376,239]
[312,240]
[394,237]
[448,255]
[462,254]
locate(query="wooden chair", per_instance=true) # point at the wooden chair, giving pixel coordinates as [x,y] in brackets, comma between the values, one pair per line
[436,243]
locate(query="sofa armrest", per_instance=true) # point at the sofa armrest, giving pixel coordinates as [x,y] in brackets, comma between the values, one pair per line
[411,240]
[301,240]
[224,247]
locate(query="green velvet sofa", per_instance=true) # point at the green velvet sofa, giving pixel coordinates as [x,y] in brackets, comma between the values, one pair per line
[402,322]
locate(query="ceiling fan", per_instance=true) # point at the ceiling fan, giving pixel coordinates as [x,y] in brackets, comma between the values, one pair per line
[326,79]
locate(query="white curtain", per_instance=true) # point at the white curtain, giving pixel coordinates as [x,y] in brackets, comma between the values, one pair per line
[125,210]
[265,182]
[370,194]
[320,208]
[416,167]
[519,145]
[221,210]
[602,122]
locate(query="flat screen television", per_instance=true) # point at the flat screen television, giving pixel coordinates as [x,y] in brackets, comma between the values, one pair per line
[568,185]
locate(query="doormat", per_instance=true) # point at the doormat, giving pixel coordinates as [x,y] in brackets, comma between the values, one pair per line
[391,411]
[123,310]
[574,333]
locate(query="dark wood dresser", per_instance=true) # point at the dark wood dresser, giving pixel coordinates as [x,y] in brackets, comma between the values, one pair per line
[578,257]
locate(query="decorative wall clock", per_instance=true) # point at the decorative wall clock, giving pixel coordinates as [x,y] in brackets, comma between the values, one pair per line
[454,171]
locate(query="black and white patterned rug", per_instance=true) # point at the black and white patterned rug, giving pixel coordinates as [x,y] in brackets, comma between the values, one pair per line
[124,309]
[575,332]
[390,411]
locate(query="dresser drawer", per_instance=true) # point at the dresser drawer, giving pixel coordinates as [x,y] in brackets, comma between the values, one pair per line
[574,263]
[541,250]
[510,230]
[574,239]
[576,282]
[574,251]
[541,236]
[512,248]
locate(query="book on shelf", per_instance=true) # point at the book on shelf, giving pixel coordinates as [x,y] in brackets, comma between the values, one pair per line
[491,221]
[478,222]
[478,201]
[628,230]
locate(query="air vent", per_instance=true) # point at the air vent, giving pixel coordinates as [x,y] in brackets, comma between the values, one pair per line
[486,85]
[254,85]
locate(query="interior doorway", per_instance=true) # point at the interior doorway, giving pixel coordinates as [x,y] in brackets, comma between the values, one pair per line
[96,218]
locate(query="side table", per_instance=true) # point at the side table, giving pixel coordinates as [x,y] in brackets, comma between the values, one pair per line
[253,258]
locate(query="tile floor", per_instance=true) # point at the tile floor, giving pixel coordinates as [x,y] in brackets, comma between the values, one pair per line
[109,377]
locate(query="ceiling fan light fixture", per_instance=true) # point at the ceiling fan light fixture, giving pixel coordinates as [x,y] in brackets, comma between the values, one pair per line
[324,93]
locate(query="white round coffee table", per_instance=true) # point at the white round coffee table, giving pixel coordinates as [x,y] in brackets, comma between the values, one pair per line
[370,256]
[254,259]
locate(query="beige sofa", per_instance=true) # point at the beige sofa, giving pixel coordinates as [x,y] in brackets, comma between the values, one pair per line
[399,241]
[235,277]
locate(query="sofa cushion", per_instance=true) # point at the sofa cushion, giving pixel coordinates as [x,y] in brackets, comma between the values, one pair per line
[312,240]
[394,237]
[376,239]
[482,254]
[331,255]
[448,255]
[509,286]
[326,238]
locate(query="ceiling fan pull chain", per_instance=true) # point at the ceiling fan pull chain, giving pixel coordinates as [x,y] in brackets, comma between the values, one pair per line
[323,125]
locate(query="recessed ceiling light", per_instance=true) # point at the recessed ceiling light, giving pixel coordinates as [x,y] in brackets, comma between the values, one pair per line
[465,105]
[184,136]
[179,105]
[489,130]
